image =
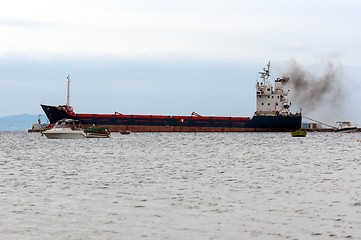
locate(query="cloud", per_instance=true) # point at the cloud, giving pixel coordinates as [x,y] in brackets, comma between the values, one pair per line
[298,46]
[21,23]
[165,30]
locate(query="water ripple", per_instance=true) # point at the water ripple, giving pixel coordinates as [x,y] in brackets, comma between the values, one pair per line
[181,186]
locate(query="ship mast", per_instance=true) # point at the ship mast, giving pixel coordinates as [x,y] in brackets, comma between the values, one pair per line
[265,74]
[68,93]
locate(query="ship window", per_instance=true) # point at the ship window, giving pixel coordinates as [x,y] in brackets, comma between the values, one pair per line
[268,96]
[276,103]
[268,89]
[278,96]
[272,96]
[262,104]
[269,104]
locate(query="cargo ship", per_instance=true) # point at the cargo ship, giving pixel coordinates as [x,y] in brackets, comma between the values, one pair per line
[272,114]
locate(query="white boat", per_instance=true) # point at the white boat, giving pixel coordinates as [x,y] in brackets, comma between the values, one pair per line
[346,127]
[65,129]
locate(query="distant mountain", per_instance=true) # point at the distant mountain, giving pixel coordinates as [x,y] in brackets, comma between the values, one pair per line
[18,122]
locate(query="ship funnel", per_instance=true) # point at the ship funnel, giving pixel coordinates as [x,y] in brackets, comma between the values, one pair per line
[68,93]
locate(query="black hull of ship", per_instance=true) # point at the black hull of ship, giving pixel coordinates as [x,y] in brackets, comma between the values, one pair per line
[155,123]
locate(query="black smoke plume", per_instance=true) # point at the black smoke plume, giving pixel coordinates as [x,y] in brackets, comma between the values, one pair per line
[314,91]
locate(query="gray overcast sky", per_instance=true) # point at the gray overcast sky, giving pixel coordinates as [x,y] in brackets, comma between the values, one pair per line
[167,56]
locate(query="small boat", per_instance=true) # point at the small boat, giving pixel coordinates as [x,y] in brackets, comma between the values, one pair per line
[125,131]
[346,127]
[38,127]
[97,132]
[299,133]
[65,129]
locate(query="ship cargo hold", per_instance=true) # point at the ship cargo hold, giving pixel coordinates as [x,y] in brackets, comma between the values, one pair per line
[272,115]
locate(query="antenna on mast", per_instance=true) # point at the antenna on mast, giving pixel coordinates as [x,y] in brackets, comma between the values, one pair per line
[68,93]
[265,74]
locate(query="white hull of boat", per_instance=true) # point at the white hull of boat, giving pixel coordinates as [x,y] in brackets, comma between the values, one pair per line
[347,130]
[64,134]
[346,127]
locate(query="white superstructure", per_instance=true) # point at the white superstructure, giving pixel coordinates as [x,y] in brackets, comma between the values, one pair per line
[271,100]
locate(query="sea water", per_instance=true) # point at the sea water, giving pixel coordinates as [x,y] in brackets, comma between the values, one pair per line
[181,186]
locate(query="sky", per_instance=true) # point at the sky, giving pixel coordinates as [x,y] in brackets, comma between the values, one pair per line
[173,57]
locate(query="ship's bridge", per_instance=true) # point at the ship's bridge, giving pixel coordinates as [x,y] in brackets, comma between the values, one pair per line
[271,99]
